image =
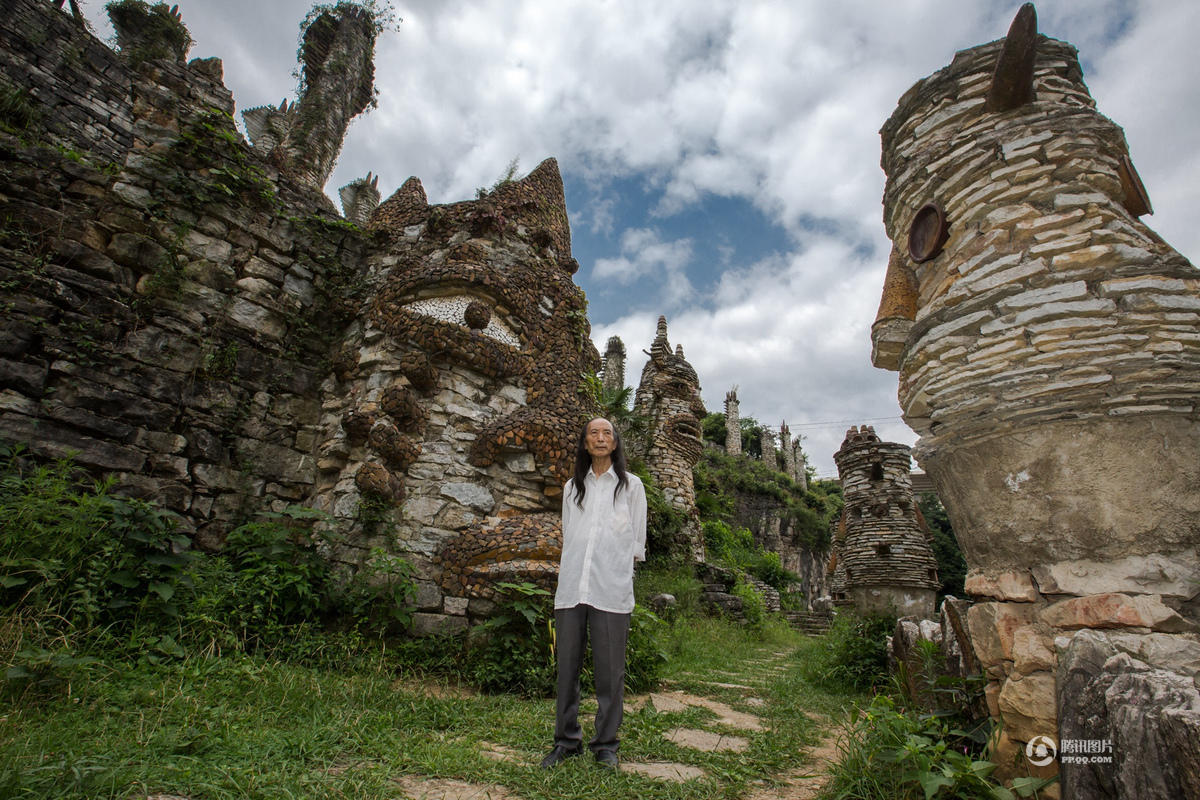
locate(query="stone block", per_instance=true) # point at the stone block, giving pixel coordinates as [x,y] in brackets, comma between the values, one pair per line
[456,606]
[1008,585]
[1115,610]
[424,624]
[471,495]
[992,626]
[1033,650]
[1028,706]
[1174,576]
[428,596]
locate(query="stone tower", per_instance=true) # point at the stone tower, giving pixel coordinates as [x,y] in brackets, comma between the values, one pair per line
[733,424]
[884,562]
[768,448]
[785,447]
[669,397]
[1048,358]
[614,365]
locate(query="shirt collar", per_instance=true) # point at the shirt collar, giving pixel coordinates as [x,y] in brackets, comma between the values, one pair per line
[592,476]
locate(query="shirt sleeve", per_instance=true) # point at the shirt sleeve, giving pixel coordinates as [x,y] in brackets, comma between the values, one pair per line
[637,516]
[568,511]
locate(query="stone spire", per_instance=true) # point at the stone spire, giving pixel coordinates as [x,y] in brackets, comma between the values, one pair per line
[768,448]
[884,562]
[733,424]
[359,199]
[614,365]
[801,464]
[338,78]
[669,397]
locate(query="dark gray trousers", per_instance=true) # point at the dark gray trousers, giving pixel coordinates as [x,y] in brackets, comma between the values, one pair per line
[609,633]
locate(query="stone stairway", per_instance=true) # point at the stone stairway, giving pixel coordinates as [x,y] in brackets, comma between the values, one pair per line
[813,623]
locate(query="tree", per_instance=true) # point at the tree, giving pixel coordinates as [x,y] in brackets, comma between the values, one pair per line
[952,567]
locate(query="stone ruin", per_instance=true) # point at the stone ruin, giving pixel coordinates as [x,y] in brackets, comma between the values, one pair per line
[883,560]
[668,396]
[187,314]
[1049,361]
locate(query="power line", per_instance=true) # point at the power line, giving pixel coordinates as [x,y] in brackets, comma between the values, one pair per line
[831,423]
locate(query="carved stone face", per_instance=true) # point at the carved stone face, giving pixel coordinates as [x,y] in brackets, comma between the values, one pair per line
[669,397]
[1032,344]
[469,372]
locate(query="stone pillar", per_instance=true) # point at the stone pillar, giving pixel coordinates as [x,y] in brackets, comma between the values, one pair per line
[733,424]
[614,365]
[785,447]
[1052,336]
[885,564]
[768,449]
[801,463]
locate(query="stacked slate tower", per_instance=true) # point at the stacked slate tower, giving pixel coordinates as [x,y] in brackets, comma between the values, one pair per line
[884,562]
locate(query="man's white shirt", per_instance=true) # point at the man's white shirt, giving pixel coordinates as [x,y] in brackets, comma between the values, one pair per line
[600,543]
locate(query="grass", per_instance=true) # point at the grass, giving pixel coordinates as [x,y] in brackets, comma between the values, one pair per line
[246,727]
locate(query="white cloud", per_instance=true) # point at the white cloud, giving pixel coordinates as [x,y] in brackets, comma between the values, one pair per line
[775,102]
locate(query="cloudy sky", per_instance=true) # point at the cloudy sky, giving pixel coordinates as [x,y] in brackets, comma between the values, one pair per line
[721,158]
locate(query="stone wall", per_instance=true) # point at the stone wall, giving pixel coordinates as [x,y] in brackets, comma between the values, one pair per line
[1048,357]
[884,561]
[187,314]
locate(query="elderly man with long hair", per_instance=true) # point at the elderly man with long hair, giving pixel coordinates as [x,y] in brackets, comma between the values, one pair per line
[604,533]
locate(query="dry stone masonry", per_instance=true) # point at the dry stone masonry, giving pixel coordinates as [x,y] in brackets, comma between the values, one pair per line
[884,561]
[669,397]
[1049,359]
[187,313]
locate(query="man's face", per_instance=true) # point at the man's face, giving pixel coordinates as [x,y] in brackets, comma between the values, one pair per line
[600,438]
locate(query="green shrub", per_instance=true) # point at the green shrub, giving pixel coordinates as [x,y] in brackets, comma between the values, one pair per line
[77,562]
[513,650]
[645,656]
[890,754]
[754,609]
[855,654]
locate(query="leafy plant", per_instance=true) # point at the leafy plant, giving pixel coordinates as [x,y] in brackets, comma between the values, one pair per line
[645,657]
[855,653]
[754,609]
[513,651]
[890,754]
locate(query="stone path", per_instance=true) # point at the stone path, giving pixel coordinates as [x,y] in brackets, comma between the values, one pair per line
[725,735]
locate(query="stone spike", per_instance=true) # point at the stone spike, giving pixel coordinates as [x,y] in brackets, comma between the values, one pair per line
[1012,82]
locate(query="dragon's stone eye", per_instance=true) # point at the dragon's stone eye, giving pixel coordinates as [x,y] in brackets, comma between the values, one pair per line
[465,310]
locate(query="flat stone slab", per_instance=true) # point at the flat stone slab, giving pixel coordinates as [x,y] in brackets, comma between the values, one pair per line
[499,752]
[417,787]
[664,770]
[680,701]
[707,741]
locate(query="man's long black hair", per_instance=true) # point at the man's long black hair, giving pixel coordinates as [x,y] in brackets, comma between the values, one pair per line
[583,463]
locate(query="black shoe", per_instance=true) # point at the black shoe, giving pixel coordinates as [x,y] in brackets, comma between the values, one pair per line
[608,759]
[559,754]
